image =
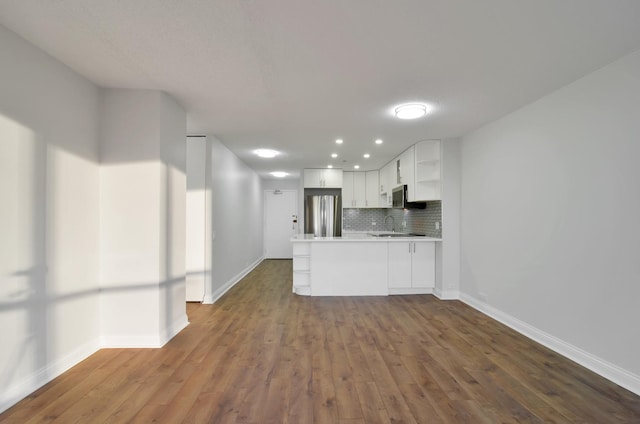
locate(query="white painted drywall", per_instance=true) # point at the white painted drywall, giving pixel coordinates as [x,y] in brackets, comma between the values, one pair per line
[550,215]
[281,184]
[196,218]
[236,218]
[48,218]
[448,251]
[142,218]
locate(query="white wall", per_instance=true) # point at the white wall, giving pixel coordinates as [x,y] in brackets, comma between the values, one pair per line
[550,219]
[196,218]
[281,184]
[448,251]
[236,219]
[142,218]
[48,219]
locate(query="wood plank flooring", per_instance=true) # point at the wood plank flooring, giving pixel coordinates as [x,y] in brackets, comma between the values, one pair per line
[264,355]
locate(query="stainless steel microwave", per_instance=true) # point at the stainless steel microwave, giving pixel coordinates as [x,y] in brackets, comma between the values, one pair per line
[399,199]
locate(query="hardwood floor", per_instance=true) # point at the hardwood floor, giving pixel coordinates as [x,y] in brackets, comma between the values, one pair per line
[264,355]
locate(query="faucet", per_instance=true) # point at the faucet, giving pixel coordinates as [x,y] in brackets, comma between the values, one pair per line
[393,223]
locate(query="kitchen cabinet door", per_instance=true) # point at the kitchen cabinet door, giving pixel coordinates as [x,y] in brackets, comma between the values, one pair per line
[332,178]
[313,178]
[348,200]
[360,189]
[406,170]
[399,265]
[387,183]
[354,190]
[412,265]
[322,178]
[371,190]
[423,264]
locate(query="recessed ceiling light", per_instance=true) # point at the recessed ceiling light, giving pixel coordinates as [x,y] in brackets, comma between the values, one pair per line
[366,155]
[329,166]
[279,174]
[411,111]
[356,166]
[379,141]
[339,141]
[334,155]
[266,153]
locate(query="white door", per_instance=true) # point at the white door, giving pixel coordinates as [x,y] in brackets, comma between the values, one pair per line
[280,222]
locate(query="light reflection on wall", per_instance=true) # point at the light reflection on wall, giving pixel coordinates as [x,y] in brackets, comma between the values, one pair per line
[22,251]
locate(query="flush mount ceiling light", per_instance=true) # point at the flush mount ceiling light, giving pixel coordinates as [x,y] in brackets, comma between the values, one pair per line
[279,174]
[379,141]
[266,153]
[329,166]
[356,166]
[339,141]
[334,155]
[366,156]
[411,111]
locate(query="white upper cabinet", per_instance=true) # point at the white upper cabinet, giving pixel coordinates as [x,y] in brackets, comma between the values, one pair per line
[388,178]
[372,182]
[323,178]
[405,167]
[360,189]
[353,190]
[428,170]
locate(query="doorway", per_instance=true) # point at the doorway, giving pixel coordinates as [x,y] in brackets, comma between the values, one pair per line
[280,223]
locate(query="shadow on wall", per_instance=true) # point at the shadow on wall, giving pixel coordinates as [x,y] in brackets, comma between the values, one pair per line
[49,260]
[23,290]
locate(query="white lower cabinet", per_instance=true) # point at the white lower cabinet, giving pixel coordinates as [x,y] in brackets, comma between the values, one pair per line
[411,266]
[363,268]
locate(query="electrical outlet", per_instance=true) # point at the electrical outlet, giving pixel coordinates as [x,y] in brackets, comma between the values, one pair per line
[437,225]
[373,224]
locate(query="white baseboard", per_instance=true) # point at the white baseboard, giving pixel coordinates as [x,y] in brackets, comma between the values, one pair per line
[601,367]
[446,294]
[395,291]
[213,297]
[123,341]
[151,341]
[172,330]
[13,393]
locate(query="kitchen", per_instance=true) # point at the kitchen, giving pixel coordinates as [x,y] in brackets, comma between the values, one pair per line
[341,254]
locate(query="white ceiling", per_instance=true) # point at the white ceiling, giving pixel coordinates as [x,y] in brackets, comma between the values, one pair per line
[294,75]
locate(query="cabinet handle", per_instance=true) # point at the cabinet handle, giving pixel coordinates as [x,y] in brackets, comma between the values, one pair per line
[409,247]
[414,248]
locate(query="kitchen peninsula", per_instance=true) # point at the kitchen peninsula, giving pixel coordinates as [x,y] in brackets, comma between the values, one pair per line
[364,264]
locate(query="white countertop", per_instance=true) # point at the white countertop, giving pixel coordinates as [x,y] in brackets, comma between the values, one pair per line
[358,237]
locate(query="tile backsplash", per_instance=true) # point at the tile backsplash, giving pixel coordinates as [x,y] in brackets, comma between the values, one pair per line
[421,221]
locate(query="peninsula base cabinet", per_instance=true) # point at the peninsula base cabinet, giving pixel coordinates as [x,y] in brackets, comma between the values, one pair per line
[363,268]
[411,267]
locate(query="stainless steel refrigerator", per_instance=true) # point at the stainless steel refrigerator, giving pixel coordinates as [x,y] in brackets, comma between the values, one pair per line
[323,215]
